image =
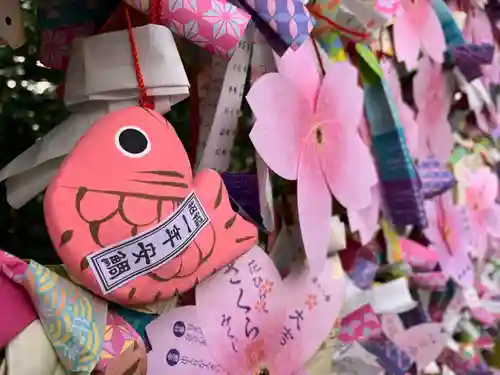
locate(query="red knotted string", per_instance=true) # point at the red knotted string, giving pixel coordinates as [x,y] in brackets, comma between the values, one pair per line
[154,18]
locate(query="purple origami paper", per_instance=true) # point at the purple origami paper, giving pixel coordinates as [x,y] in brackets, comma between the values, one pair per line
[469,58]
[435,178]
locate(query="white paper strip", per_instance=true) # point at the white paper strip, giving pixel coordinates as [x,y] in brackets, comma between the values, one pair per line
[262,62]
[217,152]
[391,297]
[211,88]
[119,264]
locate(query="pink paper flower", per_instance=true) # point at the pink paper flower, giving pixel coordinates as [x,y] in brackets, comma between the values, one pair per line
[481,190]
[446,232]
[308,130]
[248,319]
[433,99]
[418,27]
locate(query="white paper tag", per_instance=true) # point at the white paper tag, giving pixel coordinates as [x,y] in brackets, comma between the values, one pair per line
[353,359]
[217,152]
[262,62]
[118,264]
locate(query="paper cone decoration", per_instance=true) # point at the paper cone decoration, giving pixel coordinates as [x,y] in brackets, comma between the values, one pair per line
[11,27]
[91,92]
[130,222]
[73,318]
[435,178]
[17,309]
[214,25]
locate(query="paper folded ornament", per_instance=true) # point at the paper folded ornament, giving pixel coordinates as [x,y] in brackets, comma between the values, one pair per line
[73,319]
[214,25]
[94,57]
[397,174]
[422,342]
[435,178]
[284,23]
[17,309]
[91,92]
[11,27]
[130,222]
[470,57]
[354,19]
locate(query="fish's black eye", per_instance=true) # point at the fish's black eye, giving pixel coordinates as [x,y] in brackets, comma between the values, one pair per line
[8,21]
[132,142]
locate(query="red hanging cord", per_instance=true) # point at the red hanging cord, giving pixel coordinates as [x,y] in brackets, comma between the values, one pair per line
[154,18]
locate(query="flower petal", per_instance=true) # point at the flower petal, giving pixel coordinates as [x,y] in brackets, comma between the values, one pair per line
[493,221]
[248,298]
[348,167]
[279,128]
[429,30]
[300,68]
[314,302]
[441,139]
[168,336]
[340,99]
[315,207]
[406,43]
[366,220]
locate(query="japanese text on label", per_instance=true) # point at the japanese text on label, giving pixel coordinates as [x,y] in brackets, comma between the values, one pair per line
[116,265]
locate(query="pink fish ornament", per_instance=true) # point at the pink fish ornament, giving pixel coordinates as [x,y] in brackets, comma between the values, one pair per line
[262,325]
[310,133]
[433,98]
[449,240]
[418,27]
[481,190]
[422,342]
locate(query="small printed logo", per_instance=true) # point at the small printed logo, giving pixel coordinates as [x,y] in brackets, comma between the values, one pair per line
[173,357]
[179,329]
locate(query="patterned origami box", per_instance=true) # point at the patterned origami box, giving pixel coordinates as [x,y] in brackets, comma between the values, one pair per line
[211,24]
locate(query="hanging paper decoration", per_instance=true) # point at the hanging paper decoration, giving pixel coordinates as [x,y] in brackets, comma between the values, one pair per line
[216,152]
[73,319]
[422,342]
[333,156]
[215,25]
[11,25]
[144,229]
[418,27]
[268,330]
[436,179]
[481,189]
[398,178]
[433,98]
[91,92]
[446,233]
